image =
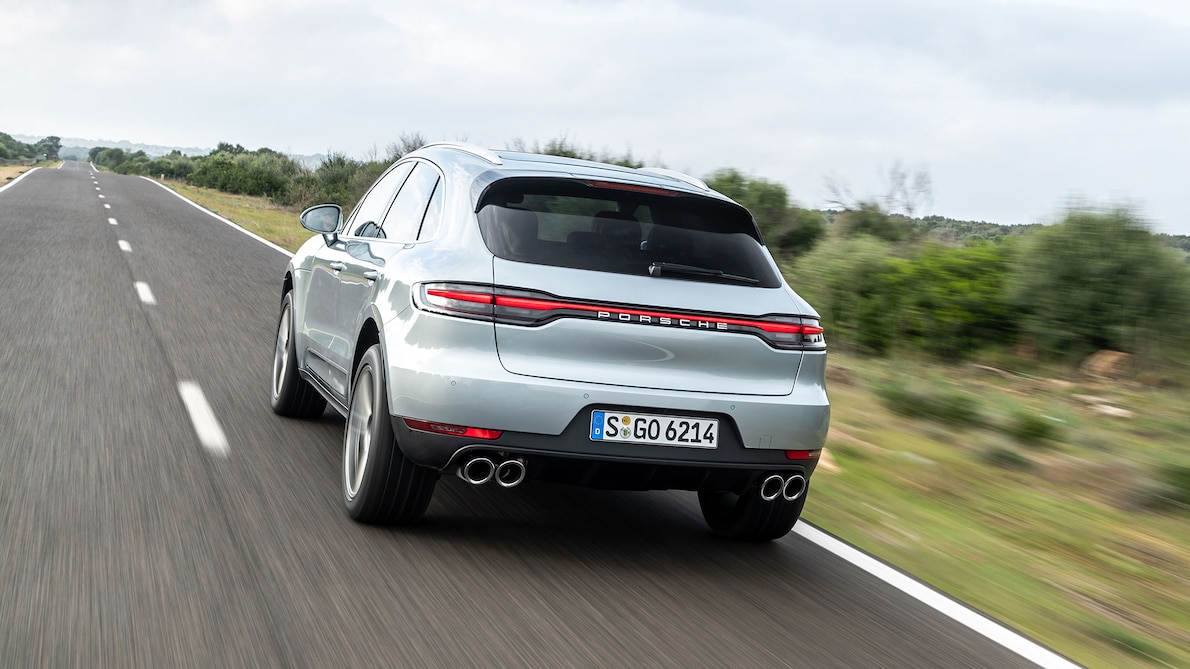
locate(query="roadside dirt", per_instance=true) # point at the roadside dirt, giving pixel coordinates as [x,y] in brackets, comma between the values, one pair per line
[10,172]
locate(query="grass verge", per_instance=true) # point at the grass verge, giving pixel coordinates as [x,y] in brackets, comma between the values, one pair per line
[1030,515]
[277,224]
[10,172]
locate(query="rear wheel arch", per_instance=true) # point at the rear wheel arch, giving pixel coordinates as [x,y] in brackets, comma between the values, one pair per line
[369,334]
[286,285]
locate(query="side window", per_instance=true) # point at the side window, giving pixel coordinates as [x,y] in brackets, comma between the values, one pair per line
[365,220]
[404,217]
[429,224]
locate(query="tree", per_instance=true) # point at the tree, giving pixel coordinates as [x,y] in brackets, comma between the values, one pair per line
[1100,280]
[784,226]
[49,147]
[562,146]
[225,147]
[854,284]
[954,300]
[868,218]
[906,192]
[407,143]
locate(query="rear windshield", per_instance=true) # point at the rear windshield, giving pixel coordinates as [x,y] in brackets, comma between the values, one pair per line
[569,223]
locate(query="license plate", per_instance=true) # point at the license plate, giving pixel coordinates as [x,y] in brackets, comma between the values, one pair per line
[642,428]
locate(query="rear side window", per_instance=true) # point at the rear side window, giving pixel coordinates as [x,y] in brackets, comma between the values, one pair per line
[650,232]
[404,219]
[365,220]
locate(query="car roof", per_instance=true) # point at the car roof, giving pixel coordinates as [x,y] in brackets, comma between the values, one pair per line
[475,161]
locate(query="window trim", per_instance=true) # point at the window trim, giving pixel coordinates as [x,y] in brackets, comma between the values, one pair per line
[350,222]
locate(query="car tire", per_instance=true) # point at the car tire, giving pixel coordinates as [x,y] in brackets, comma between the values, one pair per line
[747,517]
[291,395]
[380,485]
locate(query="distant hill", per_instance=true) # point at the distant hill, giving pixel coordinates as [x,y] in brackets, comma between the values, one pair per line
[131,147]
[76,148]
[951,231]
[1180,242]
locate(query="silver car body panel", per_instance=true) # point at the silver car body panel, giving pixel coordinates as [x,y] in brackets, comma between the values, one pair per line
[538,379]
[690,357]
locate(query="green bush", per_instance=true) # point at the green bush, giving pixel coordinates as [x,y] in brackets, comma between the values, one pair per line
[945,406]
[954,299]
[1030,428]
[1006,458]
[1100,280]
[854,285]
[1176,479]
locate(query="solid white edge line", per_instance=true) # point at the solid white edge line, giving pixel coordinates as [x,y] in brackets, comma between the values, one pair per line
[144,293]
[217,217]
[124,246]
[206,425]
[22,175]
[936,600]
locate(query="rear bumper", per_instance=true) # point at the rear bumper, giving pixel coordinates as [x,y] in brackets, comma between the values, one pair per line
[572,457]
[448,371]
[469,387]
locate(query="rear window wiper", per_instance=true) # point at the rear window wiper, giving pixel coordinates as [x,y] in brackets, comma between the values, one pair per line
[658,268]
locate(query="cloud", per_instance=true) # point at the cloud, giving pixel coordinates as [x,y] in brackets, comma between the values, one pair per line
[1011,105]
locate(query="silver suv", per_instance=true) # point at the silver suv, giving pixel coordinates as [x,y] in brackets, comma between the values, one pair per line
[508,317]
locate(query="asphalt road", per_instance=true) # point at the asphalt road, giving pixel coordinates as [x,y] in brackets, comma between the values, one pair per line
[125,543]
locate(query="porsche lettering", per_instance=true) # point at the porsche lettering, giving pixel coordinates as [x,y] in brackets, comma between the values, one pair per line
[662,320]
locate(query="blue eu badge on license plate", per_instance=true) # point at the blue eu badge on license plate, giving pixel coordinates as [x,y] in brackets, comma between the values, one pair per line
[597,425]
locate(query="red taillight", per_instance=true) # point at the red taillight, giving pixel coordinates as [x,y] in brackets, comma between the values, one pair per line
[460,300]
[511,306]
[802,455]
[460,295]
[452,430]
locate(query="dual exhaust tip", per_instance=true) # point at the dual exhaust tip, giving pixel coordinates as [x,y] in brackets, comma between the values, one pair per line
[480,470]
[788,488]
[510,473]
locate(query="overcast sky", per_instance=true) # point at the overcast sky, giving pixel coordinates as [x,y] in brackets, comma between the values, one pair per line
[1015,107]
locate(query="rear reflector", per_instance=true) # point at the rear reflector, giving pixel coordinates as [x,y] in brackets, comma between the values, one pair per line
[802,455]
[452,430]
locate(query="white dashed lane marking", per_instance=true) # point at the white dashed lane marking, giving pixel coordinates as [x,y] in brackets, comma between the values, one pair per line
[206,425]
[112,221]
[106,206]
[144,293]
[124,246]
[101,196]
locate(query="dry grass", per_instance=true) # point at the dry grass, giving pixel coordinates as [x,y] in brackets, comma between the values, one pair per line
[277,224]
[10,172]
[1055,548]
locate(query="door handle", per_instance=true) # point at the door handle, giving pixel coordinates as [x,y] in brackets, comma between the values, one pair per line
[337,266]
[371,275]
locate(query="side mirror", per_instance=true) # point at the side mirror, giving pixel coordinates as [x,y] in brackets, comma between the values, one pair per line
[323,219]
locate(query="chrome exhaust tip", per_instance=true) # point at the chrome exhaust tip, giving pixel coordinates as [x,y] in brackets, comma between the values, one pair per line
[770,487]
[477,471]
[510,473]
[795,486]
